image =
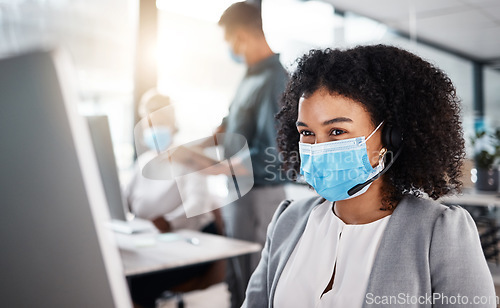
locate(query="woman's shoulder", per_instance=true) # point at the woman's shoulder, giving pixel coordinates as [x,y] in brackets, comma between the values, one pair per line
[428,212]
[420,206]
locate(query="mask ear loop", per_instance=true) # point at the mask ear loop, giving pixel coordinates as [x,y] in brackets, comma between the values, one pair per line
[376,129]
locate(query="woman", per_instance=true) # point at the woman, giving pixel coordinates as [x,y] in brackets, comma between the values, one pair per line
[376,131]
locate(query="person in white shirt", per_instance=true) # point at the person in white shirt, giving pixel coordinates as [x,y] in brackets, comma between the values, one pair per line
[160,200]
[165,202]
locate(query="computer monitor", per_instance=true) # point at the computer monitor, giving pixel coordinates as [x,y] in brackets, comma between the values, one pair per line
[103,146]
[56,251]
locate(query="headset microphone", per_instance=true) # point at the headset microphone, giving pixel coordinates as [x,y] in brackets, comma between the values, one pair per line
[358,187]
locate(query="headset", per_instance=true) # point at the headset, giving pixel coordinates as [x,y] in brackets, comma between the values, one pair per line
[392,139]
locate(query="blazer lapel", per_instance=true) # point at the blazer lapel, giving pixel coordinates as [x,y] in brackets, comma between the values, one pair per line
[288,240]
[400,262]
[386,249]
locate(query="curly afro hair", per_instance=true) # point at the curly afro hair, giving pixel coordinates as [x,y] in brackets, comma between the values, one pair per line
[397,87]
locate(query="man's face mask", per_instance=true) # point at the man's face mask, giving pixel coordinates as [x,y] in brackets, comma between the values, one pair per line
[236,58]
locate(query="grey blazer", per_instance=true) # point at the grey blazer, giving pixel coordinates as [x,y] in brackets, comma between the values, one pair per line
[429,256]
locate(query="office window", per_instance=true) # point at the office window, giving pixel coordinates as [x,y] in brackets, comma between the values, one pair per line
[492,97]
[101,45]
[194,67]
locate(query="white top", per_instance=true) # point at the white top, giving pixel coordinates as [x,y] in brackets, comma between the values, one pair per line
[328,243]
[171,199]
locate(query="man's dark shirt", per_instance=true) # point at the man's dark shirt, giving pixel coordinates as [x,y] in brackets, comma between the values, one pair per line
[252,113]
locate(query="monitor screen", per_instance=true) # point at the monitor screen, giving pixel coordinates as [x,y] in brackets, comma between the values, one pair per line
[55,249]
[103,146]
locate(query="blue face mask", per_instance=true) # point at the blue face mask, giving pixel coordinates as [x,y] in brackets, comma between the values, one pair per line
[333,168]
[157,138]
[236,58]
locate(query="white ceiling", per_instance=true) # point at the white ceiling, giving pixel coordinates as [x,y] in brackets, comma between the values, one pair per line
[467,27]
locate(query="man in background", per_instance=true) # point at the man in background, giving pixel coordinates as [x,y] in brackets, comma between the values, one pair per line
[251,114]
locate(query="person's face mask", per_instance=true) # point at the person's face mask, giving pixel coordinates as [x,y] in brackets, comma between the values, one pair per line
[240,59]
[235,44]
[332,168]
[157,138]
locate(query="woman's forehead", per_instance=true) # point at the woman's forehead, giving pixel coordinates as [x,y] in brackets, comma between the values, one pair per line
[322,106]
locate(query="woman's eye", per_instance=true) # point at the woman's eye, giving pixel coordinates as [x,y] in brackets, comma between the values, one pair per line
[306,133]
[336,132]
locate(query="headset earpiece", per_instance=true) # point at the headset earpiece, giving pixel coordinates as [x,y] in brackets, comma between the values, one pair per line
[392,137]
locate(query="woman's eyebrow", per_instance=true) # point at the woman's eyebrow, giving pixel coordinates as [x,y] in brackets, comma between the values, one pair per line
[337,120]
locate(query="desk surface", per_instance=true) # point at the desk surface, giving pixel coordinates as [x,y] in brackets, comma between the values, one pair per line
[145,253]
[471,197]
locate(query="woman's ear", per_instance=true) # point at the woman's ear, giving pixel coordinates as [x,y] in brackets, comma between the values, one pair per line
[381,155]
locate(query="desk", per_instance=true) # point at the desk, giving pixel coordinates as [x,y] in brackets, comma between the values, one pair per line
[471,197]
[146,253]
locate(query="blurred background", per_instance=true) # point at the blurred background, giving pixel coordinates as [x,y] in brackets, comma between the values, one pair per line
[122,48]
